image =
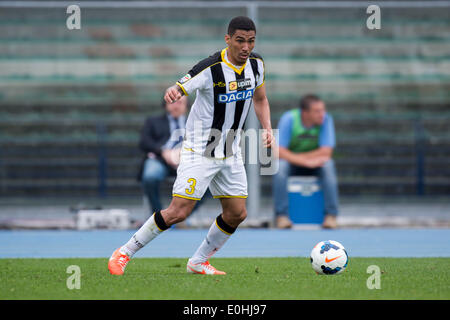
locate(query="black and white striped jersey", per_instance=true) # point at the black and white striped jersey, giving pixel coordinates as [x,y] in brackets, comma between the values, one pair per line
[224,97]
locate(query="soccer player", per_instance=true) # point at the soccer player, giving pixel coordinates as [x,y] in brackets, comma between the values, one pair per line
[226,84]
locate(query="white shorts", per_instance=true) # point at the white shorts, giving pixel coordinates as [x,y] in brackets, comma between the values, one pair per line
[226,178]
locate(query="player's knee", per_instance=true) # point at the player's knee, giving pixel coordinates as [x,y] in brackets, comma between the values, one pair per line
[177,212]
[183,214]
[178,216]
[240,215]
[243,214]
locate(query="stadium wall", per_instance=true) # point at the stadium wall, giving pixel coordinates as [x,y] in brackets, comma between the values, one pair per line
[72,102]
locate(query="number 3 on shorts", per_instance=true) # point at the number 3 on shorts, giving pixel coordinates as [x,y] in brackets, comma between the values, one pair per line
[191,188]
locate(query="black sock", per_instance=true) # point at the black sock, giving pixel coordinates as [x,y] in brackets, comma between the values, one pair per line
[159,220]
[224,226]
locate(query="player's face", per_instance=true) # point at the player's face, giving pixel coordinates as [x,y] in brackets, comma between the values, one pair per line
[177,108]
[316,113]
[240,45]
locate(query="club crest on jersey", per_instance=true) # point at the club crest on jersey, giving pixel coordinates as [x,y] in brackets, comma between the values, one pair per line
[185,78]
[235,96]
[240,84]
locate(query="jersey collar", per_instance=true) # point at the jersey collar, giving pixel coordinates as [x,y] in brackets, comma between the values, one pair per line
[238,71]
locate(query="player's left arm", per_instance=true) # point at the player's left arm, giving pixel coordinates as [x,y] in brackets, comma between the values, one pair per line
[262,110]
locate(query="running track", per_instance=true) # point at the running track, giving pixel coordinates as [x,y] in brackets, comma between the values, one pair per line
[244,243]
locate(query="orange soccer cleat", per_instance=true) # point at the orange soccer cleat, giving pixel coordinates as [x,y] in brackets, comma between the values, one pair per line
[117,263]
[203,268]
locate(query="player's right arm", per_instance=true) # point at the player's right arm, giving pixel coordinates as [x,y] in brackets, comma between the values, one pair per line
[173,94]
[197,78]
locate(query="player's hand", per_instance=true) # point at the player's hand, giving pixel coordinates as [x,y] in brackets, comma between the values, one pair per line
[268,138]
[172,94]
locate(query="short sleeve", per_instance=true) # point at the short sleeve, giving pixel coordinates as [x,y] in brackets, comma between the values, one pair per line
[327,136]
[285,128]
[261,73]
[193,81]
[199,77]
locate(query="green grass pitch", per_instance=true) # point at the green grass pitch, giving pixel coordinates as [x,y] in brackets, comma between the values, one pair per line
[247,278]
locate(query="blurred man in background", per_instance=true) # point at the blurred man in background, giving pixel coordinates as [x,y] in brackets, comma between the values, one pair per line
[160,141]
[307,139]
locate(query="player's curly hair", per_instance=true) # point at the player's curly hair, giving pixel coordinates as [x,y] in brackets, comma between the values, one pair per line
[240,23]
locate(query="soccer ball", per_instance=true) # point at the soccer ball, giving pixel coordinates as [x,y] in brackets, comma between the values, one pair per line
[329,257]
